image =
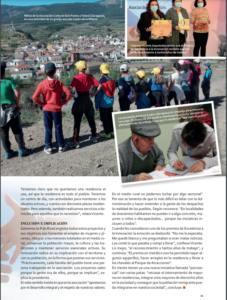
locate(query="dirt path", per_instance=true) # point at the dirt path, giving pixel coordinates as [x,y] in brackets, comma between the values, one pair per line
[92,159]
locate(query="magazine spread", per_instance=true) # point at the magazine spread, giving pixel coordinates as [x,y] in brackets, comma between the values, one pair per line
[113,149]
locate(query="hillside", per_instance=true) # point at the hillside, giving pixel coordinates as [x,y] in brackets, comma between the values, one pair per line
[111,9]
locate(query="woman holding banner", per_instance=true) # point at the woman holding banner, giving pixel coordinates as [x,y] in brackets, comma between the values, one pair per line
[145,27]
[177,15]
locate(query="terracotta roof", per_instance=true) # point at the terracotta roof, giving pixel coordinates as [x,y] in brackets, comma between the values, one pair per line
[20,72]
[22,67]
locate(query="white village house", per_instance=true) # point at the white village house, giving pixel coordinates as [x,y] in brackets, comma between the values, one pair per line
[22,74]
[57,64]
[14,62]
[22,67]
[42,59]
[55,58]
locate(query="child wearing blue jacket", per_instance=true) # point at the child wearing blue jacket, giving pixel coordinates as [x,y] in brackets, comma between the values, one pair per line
[206,82]
[156,84]
[104,100]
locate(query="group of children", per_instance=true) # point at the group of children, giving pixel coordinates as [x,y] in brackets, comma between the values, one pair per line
[54,95]
[157,91]
[183,85]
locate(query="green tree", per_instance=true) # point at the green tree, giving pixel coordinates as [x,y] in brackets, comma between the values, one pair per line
[8,75]
[64,56]
[31,80]
[73,72]
[19,81]
[14,45]
[28,35]
[61,76]
[64,78]
[115,73]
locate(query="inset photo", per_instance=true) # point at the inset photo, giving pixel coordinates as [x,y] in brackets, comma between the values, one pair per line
[167,28]
[167,143]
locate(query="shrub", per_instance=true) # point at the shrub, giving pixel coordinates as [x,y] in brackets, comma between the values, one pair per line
[64,56]
[28,105]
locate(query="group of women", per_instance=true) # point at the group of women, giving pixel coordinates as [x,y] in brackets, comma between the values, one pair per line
[199,18]
[182,85]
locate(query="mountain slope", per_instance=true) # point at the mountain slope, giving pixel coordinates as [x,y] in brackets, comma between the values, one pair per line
[111,9]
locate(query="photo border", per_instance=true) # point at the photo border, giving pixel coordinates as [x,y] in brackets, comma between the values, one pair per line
[170,178]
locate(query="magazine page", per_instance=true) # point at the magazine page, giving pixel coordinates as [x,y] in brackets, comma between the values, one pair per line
[113,153]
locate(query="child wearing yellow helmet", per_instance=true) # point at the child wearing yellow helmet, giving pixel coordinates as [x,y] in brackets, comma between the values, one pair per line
[83,104]
[104,101]
[142,88]
[156,83]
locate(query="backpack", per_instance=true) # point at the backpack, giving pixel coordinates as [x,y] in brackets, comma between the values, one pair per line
[153,84]
[131,94]
[185,86]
